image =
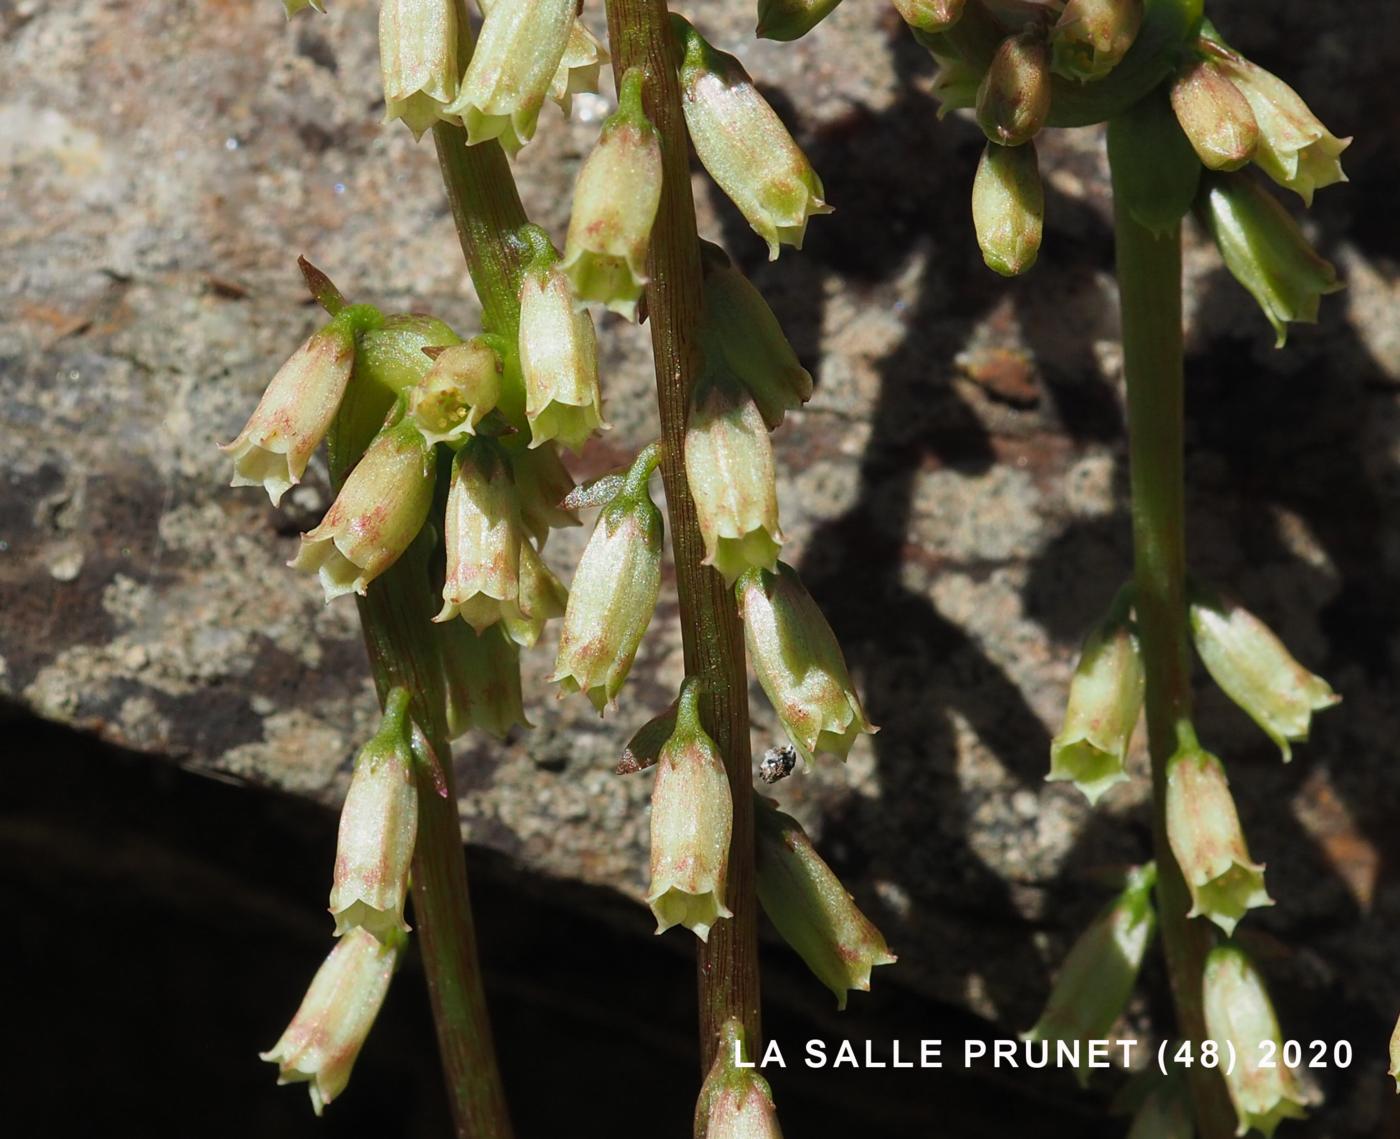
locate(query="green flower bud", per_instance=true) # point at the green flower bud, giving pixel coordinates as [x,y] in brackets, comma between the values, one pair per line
[1254,670]
[1013,101]
[1105,701]
[810,908]
[1295,149]
[1215,116]
[460,388]
[391,356]
[378,826]
[789,20]
[739,328]
[481,678]
[1265,251]
[692,819]
[329,1029]
[1203,829]
[512,70]
[614,591]
[743,144]
[295,413]
[483,537]
[799,663]
[418,60]
[1008,208]
[579,67]
[735,1102]
[378,512]
[1092,36]
[615,201]
[1238,1012]
[558,356]
[542,483]
[733,479]
[930,15]
[542,598]
[1098,976]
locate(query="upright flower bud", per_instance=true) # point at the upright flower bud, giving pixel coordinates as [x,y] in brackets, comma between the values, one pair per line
[325,1037]
[739,328]
[378,826]
[1092,36]
[1265,251]
[1215,116]
[615,201]
[418,60]
[1008,207]
[743,144]
[483,538]
[1254,670]
[1264,1089]
[692,818]
[542,598]
[1098,976]
[481,679]
[579,67]
[512,70]
[930,15]
[789,20]
[460,388]
[1203,829]
[614,591]
[1105,701]
[735,1102]
[810,908]
[1014,99]
[542,483]
[733,478]
[558,354]
[1295,149]
[295,412]
[378,512]
[799,663]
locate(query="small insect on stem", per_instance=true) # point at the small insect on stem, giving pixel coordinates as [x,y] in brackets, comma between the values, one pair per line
[777,763]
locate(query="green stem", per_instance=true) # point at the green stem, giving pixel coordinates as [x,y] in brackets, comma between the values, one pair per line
[1149,283]
[640,35]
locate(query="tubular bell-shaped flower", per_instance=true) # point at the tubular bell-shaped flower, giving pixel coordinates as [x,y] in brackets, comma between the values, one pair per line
[542,483]
[378,826]
[1256,671]
[1265,250]
[512,69]
[558,353]
[1098,975]
[542,598]
[735,1102]
[579,67]
[740,329]
[1203,829]
[378,512]
[799,663]
[483,536]
[1215,116]
[744,145]
[692,818]
[1092,36]
[1008,207]
[418,60]
[613,592]
[733,478]
[1013,101]
[295,411]
[1238,1012]
[481,679]
[810,908]
[615,201]
[1105,701]
[461,387]
[329,1029]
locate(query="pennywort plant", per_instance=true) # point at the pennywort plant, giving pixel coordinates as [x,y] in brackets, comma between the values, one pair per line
[446,451]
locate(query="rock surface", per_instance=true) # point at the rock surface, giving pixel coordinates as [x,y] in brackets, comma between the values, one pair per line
[955,493]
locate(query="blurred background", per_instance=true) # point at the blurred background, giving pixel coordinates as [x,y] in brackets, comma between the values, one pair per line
[180,710]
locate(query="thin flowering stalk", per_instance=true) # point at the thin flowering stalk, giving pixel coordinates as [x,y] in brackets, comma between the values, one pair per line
[640,34]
